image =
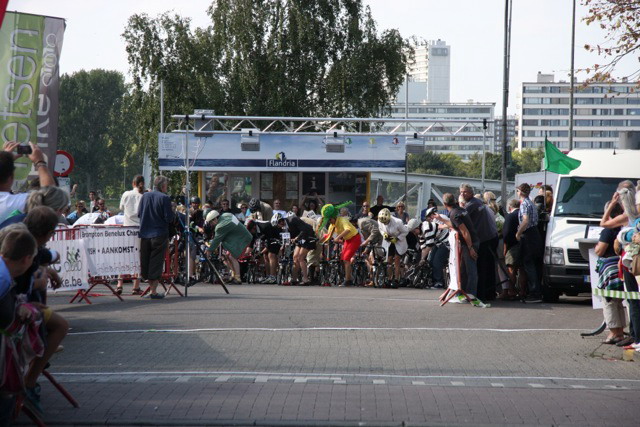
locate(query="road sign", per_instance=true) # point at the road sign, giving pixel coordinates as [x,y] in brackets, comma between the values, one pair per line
[64,163]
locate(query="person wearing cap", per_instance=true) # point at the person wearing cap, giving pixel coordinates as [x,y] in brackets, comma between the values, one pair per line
[435,245]
[346,234]
[531,244]
[394,233]
[232,235]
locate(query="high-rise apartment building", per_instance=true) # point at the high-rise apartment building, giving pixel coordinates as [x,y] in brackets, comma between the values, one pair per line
[433,66]
[601,111]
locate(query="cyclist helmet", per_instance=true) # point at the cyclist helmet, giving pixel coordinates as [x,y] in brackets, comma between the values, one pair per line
[384,216]
[276,218]
[212,215]
[195,199]
[430,211]
[413,224]
[254,205]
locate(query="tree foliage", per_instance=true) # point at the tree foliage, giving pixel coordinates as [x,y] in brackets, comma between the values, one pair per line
[523,161]
[621,21]
[94,128]
[528,160]
[264,57]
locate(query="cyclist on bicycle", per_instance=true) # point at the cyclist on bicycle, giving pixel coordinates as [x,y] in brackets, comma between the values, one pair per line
[412,256]
[346,233]
[394,233]
[372,237]
[259,210]
[435,245]
[303,237]
[232,235]
[271,235]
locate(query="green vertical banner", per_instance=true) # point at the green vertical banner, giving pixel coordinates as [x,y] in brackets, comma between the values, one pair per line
[30,47]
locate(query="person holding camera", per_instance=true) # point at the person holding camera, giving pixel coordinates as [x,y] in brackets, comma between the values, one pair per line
[10,202]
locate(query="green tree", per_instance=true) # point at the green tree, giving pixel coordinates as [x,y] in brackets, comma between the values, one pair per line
[621,21]
[528,160]
[93,128]
[433,163]
[264,57]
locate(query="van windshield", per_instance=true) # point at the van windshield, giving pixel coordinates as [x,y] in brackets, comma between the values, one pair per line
[584,197]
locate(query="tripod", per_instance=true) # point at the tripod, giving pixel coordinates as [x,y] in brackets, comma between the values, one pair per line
[200,253]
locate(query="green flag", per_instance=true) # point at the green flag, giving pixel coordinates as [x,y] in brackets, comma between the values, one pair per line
[556,161]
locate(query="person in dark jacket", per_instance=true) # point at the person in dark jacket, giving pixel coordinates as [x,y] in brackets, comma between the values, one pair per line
[512,249]
[156,216]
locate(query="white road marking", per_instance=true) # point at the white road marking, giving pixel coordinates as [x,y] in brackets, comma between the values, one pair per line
[315,329]
[418,383]
[379,382]
[264,376]
[457,383]
[578,386]
[497,385]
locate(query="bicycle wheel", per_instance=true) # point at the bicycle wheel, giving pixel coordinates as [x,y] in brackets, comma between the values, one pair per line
[358,273]
[380,276]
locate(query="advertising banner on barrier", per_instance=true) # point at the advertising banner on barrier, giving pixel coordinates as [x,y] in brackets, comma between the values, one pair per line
[72,265]
[111,250]
[283,152]
[30,47]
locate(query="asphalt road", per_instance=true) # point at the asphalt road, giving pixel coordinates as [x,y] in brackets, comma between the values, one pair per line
[292,356]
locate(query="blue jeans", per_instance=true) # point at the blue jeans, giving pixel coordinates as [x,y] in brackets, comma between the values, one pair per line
[438,259]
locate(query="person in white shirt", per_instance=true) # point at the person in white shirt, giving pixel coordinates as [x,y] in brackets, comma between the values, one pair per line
[277,208]
[394,233]
[10,202]
[129,203]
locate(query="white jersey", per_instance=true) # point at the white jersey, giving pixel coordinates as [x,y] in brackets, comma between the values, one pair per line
[397,229]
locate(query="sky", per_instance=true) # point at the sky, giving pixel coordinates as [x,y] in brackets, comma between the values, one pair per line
[541,36]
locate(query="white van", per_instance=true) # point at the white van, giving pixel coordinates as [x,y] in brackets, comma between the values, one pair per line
[579,199]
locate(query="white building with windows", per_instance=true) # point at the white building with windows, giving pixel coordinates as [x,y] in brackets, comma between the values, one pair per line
[601,111]
[432,68]
[512,132]
[463,139]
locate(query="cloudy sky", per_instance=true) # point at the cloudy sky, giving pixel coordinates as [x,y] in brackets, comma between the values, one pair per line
[474,28]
